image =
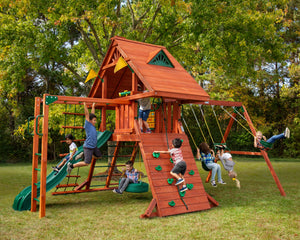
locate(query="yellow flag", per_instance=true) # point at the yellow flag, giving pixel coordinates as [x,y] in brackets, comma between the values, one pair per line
[92,74]
[121,63]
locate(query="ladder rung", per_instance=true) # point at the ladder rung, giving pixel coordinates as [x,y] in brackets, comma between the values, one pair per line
[37,169]
[36,184]
[78,114]
[67,185]
[121,146]
[74,127]
[76,176]
[75,140]
[36,199]
[38,154]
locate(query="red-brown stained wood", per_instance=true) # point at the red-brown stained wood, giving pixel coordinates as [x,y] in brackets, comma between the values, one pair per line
[196,198]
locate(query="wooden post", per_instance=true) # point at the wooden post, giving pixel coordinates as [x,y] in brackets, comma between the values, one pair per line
[264,154]
[231,121]
[35,157]
[176,116]
[169,116]
[103,112]
[42,211]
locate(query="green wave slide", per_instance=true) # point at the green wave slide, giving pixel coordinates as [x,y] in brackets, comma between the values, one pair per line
[23,199]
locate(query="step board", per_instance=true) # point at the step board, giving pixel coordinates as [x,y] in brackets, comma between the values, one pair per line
[165,194]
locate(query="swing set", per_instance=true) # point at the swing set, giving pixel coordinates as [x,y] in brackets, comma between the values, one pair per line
[238,110]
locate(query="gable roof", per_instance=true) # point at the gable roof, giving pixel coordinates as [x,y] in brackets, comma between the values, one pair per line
[166,81]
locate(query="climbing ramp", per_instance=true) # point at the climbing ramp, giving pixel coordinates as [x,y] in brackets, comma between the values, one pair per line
[166,197]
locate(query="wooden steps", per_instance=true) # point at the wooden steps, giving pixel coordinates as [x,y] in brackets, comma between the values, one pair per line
[196,199]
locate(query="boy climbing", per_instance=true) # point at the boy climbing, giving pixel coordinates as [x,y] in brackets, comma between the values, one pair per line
[179,168]
[90,144]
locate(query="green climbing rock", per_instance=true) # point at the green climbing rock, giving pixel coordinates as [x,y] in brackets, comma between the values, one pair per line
[158,168]
[170,180]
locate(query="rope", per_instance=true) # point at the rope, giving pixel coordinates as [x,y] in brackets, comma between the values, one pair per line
[189,132]
[212,107]
[198,123]
[243,117]
[237,121]
[206,123]
[182,198]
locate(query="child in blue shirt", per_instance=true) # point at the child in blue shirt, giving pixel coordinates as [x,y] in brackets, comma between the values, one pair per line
[90,144]
[132,176]
[208,157]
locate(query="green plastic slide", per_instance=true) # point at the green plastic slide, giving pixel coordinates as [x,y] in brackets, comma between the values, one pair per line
[23,199]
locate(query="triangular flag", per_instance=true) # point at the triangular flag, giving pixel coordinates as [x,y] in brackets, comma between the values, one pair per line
[91,75]
[121,63]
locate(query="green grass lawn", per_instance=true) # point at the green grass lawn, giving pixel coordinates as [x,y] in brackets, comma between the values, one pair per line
[256,211]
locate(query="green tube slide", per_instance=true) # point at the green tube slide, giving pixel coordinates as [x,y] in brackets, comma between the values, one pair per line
[23,199]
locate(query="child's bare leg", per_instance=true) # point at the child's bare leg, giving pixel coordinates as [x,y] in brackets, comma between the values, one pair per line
[181,176]
[62,163]
[175,175]
[141,123]
[80,164]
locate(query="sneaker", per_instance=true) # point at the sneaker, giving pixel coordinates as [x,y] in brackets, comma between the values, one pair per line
[117,191]
[69,168]
[56,169]
[142,130]
[179,181]
[183,189]
[287,133]
[148,130]
[221,182]
[213,183]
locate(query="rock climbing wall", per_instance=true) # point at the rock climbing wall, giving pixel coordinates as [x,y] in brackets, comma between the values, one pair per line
[166,197]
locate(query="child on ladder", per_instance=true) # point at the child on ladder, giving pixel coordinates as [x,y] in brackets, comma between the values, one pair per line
[90,143]
[72,150]
[179,168]
[259,137]
[132,176]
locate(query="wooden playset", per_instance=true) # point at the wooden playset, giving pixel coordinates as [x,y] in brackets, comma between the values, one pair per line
[157,71]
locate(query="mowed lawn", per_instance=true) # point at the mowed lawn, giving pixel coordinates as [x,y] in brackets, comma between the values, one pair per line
[256,211]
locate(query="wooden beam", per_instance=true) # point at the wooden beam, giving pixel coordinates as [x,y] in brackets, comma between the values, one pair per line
[98,101]
[218,103]
[35,157]
[246,153]
[44,157]
[264,154]
[126,137]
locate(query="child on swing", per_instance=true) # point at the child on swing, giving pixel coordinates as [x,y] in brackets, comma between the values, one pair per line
[207,155]
[228,164]
[259,137]
[131,176]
